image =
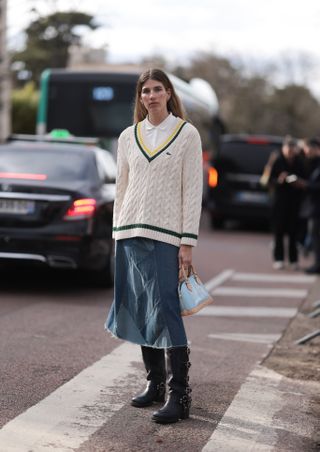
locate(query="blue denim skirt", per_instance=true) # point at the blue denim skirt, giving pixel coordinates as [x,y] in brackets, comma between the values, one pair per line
[145,309]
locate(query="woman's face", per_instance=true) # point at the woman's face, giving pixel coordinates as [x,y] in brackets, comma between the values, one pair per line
[154,96]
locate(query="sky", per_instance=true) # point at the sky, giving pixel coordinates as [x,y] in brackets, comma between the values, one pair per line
[251,30]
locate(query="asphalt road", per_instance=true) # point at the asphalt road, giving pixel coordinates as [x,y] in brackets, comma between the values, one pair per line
[66,384]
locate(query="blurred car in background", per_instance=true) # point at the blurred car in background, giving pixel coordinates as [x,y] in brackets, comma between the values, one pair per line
[56,202]
[234,188]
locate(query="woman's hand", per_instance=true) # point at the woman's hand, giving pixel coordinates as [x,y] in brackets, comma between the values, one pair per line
[185,256]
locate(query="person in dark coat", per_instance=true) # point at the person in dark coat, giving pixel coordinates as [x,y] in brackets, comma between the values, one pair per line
[311,186]
[286,202]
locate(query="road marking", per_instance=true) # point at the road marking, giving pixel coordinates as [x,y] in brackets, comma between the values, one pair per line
[72,413]
[259,292]
[265,277]
[247,424]
[239,311]
[219,279]
[255,338]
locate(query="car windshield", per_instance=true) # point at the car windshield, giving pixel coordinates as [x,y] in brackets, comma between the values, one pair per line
[45,164]
[246,157]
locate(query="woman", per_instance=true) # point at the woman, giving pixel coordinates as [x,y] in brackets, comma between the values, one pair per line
[286,202]
[156,220]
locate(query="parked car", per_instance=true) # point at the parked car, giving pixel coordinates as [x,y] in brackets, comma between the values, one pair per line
[56,202]
[235,191]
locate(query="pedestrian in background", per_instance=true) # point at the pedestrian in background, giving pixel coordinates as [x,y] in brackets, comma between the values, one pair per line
[286,201]
[311,186]
[156,220]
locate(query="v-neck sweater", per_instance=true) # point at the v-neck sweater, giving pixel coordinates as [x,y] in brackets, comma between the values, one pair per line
[159,191]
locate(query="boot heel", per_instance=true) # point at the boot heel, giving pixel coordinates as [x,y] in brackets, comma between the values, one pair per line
[185,414]
[185,403]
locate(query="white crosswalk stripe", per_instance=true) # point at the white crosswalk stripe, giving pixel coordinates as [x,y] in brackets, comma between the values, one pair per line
[219,279]
[246,425]
[242,337]
[259,292]
[266,277]
[239,311]
[71,414]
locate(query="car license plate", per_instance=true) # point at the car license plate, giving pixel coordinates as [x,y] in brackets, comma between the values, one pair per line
[14,206]
[254,197]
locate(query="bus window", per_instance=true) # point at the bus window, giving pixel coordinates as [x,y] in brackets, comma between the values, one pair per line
[78,108]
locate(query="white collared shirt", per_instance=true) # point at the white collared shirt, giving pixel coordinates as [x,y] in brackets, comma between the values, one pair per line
[153,135]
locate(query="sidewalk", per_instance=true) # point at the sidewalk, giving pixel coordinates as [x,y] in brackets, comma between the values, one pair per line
[299,420]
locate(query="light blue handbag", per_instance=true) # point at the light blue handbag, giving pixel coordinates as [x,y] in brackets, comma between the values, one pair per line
[192,293]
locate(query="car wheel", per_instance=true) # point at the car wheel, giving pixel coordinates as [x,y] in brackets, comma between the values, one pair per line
[104,277]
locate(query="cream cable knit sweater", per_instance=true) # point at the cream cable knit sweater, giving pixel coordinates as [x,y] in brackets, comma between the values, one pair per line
[159,191]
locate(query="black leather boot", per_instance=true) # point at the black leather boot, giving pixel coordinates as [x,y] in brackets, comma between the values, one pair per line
[154,361]
[179,400]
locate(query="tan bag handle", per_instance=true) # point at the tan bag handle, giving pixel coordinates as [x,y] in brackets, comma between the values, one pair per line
[183,276]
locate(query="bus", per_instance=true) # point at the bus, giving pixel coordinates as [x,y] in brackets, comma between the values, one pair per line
[99,104]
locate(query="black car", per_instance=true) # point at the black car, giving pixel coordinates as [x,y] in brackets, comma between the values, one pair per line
[56,203]
[235,191]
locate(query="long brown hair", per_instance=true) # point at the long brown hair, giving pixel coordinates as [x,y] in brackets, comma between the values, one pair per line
[174,104]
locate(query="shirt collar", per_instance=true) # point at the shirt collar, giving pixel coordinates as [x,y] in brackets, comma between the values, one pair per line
[162,126]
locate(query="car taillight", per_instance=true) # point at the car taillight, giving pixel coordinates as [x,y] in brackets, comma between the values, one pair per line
[257,140]
[27,176]
[81,209]
[212,177]
[205,156]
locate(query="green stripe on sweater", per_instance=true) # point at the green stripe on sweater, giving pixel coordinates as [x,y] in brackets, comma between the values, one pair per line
[154,228]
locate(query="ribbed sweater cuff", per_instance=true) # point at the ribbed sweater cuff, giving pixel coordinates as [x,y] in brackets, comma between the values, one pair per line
[188,241]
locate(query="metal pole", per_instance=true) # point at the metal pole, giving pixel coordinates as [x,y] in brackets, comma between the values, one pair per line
[316,304]
[4,76]
[308,337]
[314,313]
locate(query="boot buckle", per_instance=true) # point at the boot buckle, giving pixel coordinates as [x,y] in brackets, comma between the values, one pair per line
[161,386]
[185,401]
